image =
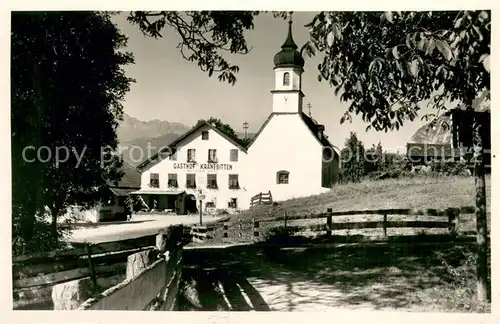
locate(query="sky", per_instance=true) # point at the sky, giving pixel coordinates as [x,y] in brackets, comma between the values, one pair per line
[170,88]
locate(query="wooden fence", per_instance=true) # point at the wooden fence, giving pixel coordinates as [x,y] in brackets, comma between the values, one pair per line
[32,273]
[449,221]
[262,198]
[151,286]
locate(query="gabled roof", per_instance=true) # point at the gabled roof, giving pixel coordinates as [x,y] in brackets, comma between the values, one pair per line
[313,127]
[172,146]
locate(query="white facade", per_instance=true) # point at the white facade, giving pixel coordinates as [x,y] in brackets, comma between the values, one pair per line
[285,144]
[288,147]
[230,191]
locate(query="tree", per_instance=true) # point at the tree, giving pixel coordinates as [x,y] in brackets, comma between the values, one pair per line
[205,36]
[374,159]
[67,84]
[353,159]
[386,64]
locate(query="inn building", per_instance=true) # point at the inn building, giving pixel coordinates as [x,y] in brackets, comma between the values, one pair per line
[290,156]
[203,159]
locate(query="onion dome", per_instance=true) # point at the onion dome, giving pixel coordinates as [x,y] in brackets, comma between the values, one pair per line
[289,55]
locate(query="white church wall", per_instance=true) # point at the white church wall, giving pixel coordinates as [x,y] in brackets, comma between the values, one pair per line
[285,144]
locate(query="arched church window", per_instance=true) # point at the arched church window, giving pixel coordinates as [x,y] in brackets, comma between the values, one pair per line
[282,177]
[286,79]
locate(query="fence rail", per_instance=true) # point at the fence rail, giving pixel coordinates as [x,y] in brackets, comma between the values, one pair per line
[43,271]
[263,198]
[449,222]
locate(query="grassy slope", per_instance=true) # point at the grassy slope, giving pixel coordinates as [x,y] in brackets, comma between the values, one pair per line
[420,193]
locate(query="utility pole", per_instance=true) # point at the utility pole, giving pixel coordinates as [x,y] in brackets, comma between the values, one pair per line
[245,127]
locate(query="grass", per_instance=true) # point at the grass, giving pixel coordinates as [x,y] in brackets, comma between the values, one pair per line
[418,192]
[421,192]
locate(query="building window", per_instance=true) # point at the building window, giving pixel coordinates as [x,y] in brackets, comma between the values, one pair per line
[191,155]
[209,204]
[286,79]
[212,181]
[172,180]
[282,177]
[191,181]
[154,180]
[212,155]
[204,136]
[233,203]
[233,155]
[233,181]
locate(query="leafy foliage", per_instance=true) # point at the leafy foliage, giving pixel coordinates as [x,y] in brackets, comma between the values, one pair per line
[67,84]
[353,159]
[386,64]
[204,35]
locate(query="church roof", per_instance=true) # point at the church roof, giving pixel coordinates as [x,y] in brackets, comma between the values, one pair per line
[154,159]
[313,127]
[289,55]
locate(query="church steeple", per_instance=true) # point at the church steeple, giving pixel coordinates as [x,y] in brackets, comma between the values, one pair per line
[288,68]
[289,43]
[289,55]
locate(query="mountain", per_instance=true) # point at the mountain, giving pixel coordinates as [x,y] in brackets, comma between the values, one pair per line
[132,128]
[136,151]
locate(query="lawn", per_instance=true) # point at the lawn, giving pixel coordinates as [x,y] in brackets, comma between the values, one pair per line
[416,193]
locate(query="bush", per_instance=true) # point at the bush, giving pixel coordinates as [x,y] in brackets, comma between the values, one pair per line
[450,167]
[461,270]
[43,240]
[281,234]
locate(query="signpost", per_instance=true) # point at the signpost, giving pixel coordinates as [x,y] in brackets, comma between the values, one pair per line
[200,196]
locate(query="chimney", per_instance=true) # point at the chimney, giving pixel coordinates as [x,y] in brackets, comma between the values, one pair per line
[321,129]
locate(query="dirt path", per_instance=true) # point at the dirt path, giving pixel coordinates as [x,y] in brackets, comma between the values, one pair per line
[394,278]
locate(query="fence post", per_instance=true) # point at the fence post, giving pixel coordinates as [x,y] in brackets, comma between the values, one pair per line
[329,222]
[384,225]
[452,220]
[91,267]
[225,227]
[255,227]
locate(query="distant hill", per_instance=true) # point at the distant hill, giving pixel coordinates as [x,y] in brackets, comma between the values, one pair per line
[133,156]
[133,132]
[132,128]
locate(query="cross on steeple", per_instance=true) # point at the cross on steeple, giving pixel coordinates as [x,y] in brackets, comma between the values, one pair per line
[290,17]
[309,107]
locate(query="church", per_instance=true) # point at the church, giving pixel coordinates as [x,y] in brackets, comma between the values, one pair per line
[290,156]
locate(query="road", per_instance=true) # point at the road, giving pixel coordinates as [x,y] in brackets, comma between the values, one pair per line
[139,226]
